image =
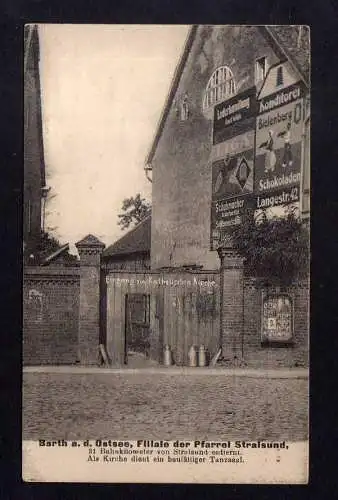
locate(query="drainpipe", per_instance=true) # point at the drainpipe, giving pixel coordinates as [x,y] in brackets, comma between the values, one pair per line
[148,168]
[221,284]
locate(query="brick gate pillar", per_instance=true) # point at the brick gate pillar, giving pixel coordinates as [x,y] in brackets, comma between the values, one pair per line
[232,303]
[90,249]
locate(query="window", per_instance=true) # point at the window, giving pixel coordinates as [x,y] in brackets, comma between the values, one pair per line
[260,69]
[184,108]
[279,77]
[220,87]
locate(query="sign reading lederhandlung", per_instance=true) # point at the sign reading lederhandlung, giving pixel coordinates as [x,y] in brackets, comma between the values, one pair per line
[279,128]
[235,116]
[232,164]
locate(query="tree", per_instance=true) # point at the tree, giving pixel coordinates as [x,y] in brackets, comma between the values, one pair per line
[47,245]
[276,249]
[134,211]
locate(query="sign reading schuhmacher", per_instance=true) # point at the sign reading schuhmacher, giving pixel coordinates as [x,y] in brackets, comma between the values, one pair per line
[279,128]
[232,163]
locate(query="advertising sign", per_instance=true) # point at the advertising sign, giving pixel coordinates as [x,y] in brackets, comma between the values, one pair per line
[279,128]
[277,318]
[232,184]
[235,116]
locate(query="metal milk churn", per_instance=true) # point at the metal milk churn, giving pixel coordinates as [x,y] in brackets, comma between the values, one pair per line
[192,356]
[167,358]
[202,356]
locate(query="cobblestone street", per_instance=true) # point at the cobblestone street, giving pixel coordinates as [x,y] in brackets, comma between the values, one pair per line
[163,406]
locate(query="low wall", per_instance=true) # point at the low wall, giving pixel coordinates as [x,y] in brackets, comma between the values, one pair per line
[50,315]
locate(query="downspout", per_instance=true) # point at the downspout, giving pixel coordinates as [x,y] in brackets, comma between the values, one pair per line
[148,168]
[303,158]
[221,295]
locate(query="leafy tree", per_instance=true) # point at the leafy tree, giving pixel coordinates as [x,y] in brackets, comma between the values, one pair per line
[274,248]
[135,209]
[47,245]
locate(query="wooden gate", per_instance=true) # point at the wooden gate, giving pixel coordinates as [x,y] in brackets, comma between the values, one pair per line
[146,311]
[137,325]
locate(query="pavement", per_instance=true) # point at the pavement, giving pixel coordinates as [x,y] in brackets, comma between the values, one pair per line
[278,373]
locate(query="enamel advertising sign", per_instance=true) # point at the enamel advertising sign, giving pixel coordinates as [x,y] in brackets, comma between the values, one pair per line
[279,128]
[235,116]
[232,184]
[232,163]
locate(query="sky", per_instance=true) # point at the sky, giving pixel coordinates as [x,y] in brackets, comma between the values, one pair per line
[103,90]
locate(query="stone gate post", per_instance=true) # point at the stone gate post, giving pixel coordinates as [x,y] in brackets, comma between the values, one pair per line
[232,303]
[90,250]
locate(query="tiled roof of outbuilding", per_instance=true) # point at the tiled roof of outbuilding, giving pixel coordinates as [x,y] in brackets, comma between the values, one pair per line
[90,240]
[137,240]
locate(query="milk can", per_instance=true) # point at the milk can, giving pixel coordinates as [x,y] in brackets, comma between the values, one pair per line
[202,356]
[167,357]
[192,356]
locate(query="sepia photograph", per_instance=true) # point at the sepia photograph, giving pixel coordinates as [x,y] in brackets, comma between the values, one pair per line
[166,247]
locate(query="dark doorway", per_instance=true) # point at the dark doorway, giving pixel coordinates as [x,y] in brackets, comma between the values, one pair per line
[137,327]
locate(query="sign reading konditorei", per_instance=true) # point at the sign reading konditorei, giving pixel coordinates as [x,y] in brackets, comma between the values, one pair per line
[235,116]
[279,128]
[232,184]
[277,318]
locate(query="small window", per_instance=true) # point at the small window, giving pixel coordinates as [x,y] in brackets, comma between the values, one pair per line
[184,108]
[220,87]
[279,77]
[261,69]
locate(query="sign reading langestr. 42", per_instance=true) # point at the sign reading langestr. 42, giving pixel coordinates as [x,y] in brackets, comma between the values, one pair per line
[279,129]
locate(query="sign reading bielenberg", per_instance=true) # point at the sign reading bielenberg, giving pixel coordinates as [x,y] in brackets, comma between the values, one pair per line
[279,127]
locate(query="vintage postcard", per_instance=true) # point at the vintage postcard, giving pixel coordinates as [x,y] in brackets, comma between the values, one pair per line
[166,254]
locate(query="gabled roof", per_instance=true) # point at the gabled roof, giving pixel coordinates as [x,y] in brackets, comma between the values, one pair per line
[90,240]
[52,257]
[173,87]
[286,42]
[294,43]
[138,240]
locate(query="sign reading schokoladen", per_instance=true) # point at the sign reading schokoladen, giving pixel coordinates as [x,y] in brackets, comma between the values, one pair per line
[279,129]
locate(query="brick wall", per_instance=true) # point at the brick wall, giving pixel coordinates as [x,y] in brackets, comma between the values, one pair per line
[257,355]
[50,315]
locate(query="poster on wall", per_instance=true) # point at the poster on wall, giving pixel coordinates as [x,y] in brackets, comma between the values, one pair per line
[279,129]
[277,319]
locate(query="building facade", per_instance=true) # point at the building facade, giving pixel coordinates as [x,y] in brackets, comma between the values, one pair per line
[218,62]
